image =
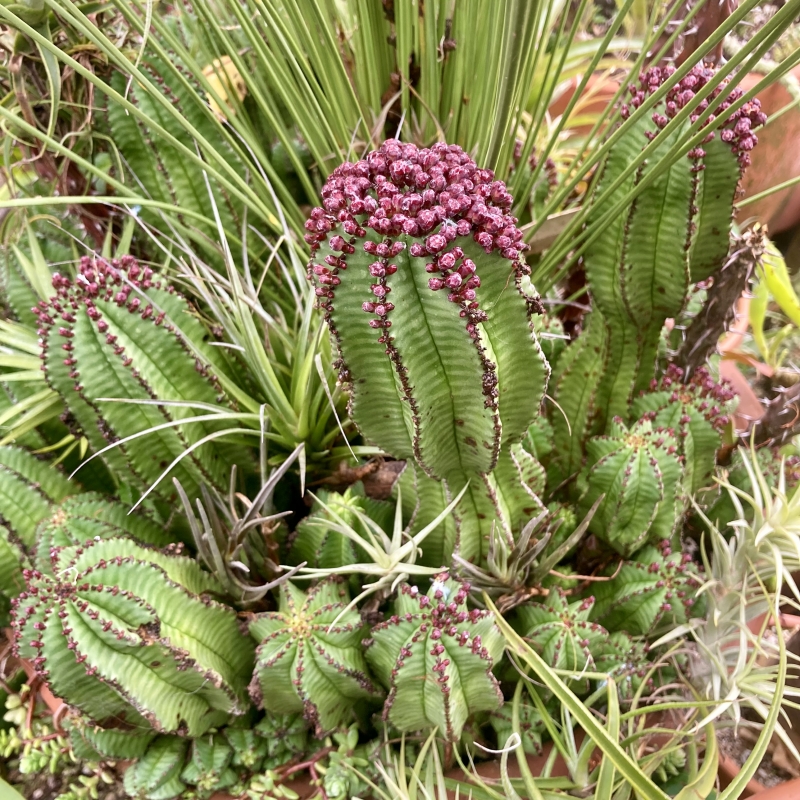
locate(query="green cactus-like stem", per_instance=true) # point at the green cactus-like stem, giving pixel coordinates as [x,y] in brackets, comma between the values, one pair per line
[641,268]
[639,473]
[29,487]
[88,516]
[697,411]
[418,271]
[655,592]
[130,635]
[435,657]
[306,663]
[117,333]
[562,632]
[29,490]
[157,774]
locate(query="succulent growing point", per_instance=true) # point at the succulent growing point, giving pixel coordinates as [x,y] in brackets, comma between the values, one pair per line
[118,333]
[637,275]
[561,631]
[639,473]
[305,663]
[656,590]
[418,269]
[130,635]
[435,657]
[696,411]
[87,516]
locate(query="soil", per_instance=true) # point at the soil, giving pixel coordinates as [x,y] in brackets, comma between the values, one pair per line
[738,747]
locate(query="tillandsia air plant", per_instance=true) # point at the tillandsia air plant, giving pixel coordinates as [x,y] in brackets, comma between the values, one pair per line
[514,536]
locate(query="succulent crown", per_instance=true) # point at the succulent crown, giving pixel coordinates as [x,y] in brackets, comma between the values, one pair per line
[306,663]
[638,471]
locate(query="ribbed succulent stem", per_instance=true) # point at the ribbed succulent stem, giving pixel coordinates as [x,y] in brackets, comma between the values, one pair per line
[446,369]
[130,636]
[674,234]
[435,657]
[118,333]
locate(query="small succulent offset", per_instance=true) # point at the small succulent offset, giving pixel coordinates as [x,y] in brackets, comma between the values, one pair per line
[126,633]
[638,473]
[655,591]
[411,236]
[310,658]
[696,410]
[562,632]
[435,657]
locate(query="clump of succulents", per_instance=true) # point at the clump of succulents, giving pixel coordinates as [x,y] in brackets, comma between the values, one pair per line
[218,672]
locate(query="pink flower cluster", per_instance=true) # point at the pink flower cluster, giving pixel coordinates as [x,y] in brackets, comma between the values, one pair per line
[435,195]
[737,127]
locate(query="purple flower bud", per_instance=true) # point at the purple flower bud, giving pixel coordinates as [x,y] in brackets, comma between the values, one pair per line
[435,243]
[435,284]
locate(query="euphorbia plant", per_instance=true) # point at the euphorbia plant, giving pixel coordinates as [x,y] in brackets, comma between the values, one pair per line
[418,269]
[641,268]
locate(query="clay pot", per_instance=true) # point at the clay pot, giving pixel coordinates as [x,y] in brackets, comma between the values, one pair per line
[729,769]
[775,160]
[790,790]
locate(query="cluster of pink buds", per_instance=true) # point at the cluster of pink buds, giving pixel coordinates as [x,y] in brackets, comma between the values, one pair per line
[435,196]
[97,280]
[737,127]
[701,391]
